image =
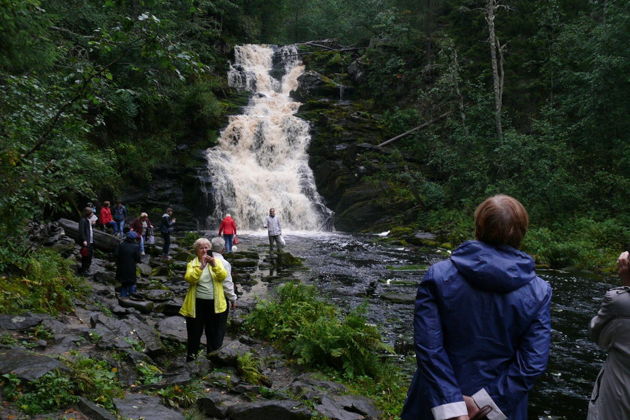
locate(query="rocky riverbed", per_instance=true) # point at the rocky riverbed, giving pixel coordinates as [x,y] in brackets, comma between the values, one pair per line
[133,335]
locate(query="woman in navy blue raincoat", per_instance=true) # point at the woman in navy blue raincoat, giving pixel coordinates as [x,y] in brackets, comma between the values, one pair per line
[482,326]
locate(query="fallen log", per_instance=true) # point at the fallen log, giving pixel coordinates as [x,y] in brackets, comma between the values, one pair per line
[102,240]
[386,142]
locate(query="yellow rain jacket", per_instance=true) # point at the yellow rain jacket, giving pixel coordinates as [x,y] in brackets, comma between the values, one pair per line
[192,276]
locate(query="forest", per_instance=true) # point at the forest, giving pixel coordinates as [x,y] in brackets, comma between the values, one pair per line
[522,97]
[96,94]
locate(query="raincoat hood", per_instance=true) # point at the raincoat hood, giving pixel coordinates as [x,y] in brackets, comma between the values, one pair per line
[499,269]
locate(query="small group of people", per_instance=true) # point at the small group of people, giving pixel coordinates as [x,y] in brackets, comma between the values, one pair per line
[141,226]
[482,329]
[227,229]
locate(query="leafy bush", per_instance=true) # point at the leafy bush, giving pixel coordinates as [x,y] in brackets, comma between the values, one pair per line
[310,330]
[96,380]
[50,392]
[249,368]
[46,285]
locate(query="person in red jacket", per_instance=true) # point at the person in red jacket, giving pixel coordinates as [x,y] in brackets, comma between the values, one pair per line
[228,230]
[106,216]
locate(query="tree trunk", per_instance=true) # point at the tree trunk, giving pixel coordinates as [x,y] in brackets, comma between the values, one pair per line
[497,67]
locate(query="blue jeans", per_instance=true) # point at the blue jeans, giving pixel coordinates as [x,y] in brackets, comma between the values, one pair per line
[126,291]
[228,242]
[142,244]
[119,226]
[167,243]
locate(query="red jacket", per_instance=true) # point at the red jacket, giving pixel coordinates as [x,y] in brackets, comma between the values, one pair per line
[228,226]
[106,215]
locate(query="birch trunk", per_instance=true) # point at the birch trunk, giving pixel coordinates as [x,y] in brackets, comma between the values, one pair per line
[497,74]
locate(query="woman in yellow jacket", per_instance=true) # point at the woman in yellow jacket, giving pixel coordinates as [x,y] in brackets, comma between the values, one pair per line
[205,306]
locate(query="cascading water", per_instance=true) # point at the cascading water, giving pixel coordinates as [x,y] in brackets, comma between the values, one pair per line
[261,160]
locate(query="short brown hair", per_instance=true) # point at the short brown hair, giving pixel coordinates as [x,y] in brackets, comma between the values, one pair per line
[501,220]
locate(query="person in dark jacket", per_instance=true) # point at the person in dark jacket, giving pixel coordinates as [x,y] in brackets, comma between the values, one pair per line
[166,228]
[119,213]
[482,326]
[86,240]
[127,256]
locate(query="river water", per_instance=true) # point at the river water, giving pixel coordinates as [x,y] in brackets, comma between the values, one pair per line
[353,269]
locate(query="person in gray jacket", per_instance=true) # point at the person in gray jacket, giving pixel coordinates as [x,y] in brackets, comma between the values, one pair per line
[272,224]
[610,329]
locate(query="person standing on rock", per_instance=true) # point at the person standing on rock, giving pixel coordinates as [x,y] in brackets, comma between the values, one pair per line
[274,231]
[218,248]
[86,240]
[482,324]
[610,329]
[205,306]
[127,256]
[228,230]
[120,215]
[166,228]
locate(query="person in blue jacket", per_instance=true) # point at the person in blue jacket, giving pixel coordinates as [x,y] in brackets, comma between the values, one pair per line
[482,325]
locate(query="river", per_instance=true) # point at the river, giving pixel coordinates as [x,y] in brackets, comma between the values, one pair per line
[352,269]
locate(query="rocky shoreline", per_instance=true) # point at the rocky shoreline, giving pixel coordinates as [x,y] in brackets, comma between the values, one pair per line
[129,334]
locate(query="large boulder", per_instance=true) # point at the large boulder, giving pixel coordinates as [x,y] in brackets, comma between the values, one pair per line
[269,410]
[102,240]
[26,365]
[315,85]
[139,406]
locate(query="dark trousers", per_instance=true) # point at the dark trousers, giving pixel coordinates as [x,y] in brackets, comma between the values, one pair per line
[167,243]
[205,320]
[87,260]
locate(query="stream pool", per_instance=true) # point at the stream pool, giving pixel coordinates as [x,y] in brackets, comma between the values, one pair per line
[353,269]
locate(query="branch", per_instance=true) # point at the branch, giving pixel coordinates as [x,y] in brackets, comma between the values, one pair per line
[425,124]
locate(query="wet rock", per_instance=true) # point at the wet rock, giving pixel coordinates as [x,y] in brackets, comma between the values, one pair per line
[311,388]
[138,406]
[94,411]
[226,378]
[269,410]
[157,295]
[215,405]
[145,269]
[315,85]
[142,305]
[174,328]
[399,297]
[241,263]
[229,353]
[105,277]
[347,407]
[170,308]
[123,334]
[65,343]
[26,365]
[19,322]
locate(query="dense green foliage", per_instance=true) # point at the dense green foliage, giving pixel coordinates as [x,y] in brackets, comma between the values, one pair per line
[564,147]
[89,378]
[311,331]
[94,94]
[47,285]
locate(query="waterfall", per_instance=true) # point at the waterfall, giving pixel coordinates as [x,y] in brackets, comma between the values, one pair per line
[261,160]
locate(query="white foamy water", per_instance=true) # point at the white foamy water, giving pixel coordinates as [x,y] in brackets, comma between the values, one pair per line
[261,160]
